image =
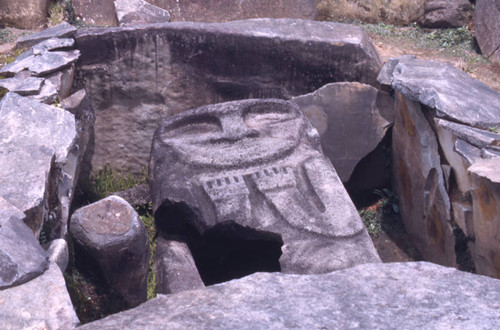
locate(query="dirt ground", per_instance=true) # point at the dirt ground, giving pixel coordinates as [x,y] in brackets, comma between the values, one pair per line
[484,71]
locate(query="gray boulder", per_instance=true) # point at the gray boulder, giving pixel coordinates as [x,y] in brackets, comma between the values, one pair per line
[446,14]
[143,74]
[487,27]
[38,144]
[58,253]
[96,12]
[134,12]
[111,233]
[230,10]
[42,303]
[21,257]
[372,296]
[63,30]
[348,120]
[246,184]
[24,14]
[452,93]
[175,268]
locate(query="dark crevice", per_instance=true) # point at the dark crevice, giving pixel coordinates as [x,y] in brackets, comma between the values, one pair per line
[372,173]
[464,259]
[224,252]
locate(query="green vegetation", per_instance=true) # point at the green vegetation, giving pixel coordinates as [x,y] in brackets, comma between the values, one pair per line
[149,222]
[56,13]
[376,217]
[494,129]
[10,57]
[457,42]
[106,181]
[60,11]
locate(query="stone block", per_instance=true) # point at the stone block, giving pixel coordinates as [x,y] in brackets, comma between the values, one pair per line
[111,233]
[24,14]
[136,76]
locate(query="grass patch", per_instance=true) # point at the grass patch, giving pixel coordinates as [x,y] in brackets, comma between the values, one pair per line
[10,57]
[56,13]
[375,217]
[148,220]
[104,182]
[5,36]
[453,42]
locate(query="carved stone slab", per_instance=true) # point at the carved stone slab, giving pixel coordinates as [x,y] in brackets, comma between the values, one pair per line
[257,166]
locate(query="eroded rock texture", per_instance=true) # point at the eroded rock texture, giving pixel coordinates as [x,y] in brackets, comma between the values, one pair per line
[175,268]
[349,120]
[230,10]
[42,303]
[24,14]
[134,12]
[96,12]
[401,12]
[372,296]
[21,257]
[245,182]
[446,14]
[110,233]
[135,77]
[446,162]
[39,146]
[487,27]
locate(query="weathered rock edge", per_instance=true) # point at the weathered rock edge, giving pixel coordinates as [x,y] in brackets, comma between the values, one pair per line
[371,296]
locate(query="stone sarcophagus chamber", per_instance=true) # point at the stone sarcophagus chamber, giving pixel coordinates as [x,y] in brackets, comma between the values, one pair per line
[252,173]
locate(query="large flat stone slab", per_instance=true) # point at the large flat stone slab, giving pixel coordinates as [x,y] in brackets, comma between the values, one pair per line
[452,93]
[372,296]
[135,76]
[63,30]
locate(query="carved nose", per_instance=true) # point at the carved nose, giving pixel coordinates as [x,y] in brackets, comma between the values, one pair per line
[234,129]
[233,133]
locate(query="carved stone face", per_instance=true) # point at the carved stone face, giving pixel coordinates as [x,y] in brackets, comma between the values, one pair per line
[236,134]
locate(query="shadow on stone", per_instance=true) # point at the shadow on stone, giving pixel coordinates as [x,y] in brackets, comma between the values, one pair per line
[224,252]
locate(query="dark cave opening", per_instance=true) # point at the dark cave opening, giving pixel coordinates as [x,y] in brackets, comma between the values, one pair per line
[224,252]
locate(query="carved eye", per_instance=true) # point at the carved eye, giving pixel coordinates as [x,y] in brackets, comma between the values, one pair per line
[190,126]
